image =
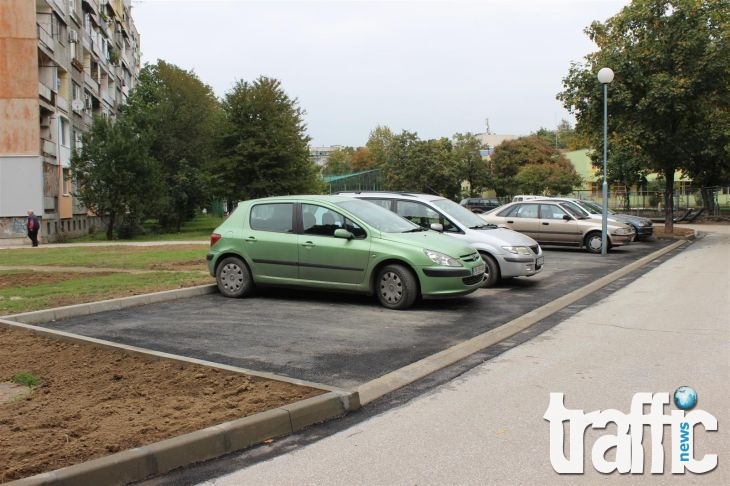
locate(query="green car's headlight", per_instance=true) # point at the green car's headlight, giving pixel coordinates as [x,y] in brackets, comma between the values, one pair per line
[518,250]
[441,259]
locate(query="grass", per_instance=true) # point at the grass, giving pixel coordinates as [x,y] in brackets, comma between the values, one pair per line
[42,278]
[34,290]
[199,228]
[26,378]
[117,256]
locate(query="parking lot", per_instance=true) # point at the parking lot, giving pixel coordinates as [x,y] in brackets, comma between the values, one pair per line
[341,340]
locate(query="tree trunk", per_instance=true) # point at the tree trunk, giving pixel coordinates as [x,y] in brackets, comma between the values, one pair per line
[110,226]
[669,200]
[708,199]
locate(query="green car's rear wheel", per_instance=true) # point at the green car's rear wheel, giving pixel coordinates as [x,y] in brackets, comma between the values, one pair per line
[396,287]
[233,277]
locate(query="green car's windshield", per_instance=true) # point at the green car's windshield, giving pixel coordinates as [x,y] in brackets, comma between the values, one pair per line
[461,214]
[378,217]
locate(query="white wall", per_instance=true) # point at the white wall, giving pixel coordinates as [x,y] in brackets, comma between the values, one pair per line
[17,197]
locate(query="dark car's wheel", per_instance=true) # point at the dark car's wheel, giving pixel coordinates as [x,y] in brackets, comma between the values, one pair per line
[233,277]
[396,287]
[491,274]
[593,242]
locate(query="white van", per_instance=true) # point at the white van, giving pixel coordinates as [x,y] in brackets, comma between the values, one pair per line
[506,253]
[523,197]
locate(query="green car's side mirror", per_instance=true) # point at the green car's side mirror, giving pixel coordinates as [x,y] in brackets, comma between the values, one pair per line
[343,233]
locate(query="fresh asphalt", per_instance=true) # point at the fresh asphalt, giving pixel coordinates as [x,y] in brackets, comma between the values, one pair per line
[344,340]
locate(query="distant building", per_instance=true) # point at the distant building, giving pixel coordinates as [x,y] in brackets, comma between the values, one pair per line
[61,63]
[319,155]
[491,140]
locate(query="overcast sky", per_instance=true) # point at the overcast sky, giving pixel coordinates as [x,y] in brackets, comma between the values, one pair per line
[432,67]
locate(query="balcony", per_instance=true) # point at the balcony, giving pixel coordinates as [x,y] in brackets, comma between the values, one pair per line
[46,39]
[91,83]
[48,147]
[45,92]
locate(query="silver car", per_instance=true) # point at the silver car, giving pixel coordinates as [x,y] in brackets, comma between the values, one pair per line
[506,253]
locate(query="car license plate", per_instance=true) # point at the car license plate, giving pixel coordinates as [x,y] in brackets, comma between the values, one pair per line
[478,269]
[539,261]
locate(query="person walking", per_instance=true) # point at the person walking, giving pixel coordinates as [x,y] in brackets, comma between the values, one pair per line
[33,227]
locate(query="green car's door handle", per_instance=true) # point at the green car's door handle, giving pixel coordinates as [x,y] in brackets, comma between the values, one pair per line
[308,244]
[251,239]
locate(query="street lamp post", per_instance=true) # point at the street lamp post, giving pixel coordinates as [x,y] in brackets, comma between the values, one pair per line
[605,76]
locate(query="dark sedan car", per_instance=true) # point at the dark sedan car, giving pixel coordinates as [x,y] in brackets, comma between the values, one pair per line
[479,204]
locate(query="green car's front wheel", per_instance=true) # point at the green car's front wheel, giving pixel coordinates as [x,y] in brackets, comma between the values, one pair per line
[396,287]
[233,277]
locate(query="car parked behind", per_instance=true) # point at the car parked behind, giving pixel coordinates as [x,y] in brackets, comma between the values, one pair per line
[644,227]
[506,252]
[338,243]
[553,222]
[479,204]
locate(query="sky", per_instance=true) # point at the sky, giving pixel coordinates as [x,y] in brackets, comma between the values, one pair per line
[435,68]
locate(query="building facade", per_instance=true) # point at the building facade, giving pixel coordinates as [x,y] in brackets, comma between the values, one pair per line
[62,62]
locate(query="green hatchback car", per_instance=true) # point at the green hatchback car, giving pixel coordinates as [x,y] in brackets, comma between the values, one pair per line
[338,243]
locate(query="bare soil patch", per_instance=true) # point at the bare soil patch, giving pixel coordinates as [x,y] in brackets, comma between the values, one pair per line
[93,401]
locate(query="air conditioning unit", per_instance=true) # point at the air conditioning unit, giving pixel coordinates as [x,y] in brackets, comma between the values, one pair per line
[77,105]
[73,36]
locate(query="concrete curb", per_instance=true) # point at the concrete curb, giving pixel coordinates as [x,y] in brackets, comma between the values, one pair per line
[58,313]
[375,389]
[137,464]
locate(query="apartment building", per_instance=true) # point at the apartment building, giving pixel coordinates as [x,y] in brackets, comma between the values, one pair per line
[61,63]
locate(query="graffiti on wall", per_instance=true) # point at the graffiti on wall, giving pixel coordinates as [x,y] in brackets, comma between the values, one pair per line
[11,227]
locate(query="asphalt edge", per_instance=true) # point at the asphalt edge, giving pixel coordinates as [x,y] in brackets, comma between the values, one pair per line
[406,375]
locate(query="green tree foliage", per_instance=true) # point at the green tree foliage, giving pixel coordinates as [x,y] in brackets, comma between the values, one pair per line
[469,162]
[339,161]
[379,143]
[362,160]
[179,115]
[531,165]
[263,146]
[116,176]
[670,99]
[564,137]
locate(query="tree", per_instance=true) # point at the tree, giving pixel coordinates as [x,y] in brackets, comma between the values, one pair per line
[411,164]
[563,137]
[672,62]
[263,146]
[339,161]
[469,162]
[362,160]
[116,177]
[531,157]
[379,144]
[180,115]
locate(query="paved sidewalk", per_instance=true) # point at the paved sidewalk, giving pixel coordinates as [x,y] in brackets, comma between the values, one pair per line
[670,327]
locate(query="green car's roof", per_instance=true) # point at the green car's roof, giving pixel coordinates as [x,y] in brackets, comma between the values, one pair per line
[333,198]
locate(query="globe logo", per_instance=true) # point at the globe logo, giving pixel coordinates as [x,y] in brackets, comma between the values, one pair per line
[685,397]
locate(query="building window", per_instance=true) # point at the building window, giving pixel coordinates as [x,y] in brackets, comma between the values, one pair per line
[64,135]
[65,181]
